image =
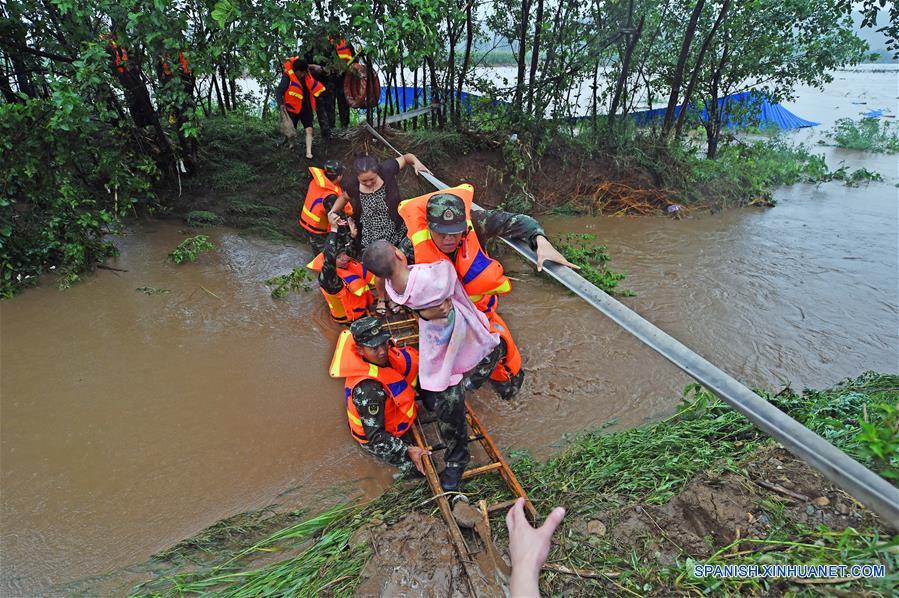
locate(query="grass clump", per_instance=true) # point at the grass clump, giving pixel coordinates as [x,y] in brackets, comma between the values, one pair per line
[297,280]
[592,258]
[202,218]
[867,134]
[190,249]
[242,207]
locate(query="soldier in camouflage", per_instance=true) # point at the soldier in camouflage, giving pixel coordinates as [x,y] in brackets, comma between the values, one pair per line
[446,210]
[369,397]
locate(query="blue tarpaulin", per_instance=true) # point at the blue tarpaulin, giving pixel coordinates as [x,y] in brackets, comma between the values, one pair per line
[398,94]
[744,109]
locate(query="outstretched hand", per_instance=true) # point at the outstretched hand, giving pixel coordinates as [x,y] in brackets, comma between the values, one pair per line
[546,252]
[529,548]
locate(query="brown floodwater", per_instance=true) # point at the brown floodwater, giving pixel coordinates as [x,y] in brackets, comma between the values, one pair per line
[131,421]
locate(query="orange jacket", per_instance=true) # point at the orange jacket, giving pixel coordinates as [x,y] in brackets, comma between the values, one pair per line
[398,381]
[293,97]
[344,52]
[314,217]
[481,275]
[511,364]
[120,56]
[167,70]
[353,300]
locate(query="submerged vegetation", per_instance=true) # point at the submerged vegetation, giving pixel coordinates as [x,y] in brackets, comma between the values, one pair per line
[867,134]
[592,258]
[190,249]
[626,480]
[297,280]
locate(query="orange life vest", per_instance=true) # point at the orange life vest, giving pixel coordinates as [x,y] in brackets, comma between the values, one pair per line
[314,217]
[481,275]
[398,381]
[120,56]
[293,97]
[511,364]
[353,300]
[344,52]
[167,70]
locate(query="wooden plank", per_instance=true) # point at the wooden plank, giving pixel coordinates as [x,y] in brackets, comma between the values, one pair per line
[470,473]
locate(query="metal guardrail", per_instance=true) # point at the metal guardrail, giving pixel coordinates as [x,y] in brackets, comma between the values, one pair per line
[870,489]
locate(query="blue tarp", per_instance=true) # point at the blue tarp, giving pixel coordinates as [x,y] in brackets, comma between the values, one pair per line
[744,109]
[397,94]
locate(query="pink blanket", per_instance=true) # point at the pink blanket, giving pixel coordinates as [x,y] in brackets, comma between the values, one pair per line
[448,347]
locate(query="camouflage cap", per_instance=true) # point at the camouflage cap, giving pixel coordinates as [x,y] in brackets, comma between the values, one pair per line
[446,214]
[368,332]
[333,169]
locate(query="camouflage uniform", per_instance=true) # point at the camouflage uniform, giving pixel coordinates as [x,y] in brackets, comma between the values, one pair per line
[337,242]
[489,224]
[369,398]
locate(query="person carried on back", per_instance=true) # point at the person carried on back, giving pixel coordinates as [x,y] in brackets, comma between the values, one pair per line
[442,226]
[456,344]
[379,391]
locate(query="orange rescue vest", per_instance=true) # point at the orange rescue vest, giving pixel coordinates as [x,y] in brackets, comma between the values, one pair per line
[510,365]
[344,52]
[398,381]
[167,70]
[314,217]
[481,275]
[293,97]
[120,56]
[353,300]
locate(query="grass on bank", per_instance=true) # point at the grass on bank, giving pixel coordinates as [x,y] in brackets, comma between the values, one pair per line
[598,472]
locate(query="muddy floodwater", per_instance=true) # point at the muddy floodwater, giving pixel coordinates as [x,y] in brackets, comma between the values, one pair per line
[133,420]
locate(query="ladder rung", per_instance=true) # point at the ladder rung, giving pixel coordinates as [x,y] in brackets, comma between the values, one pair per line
[470,473]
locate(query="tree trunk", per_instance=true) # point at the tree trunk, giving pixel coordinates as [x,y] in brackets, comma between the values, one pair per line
[218,94]
[435,91]
[697,69]
[625,67]
[716,116]
[522,54]
[678,76]
[535,54]
[415,97]
[469,38]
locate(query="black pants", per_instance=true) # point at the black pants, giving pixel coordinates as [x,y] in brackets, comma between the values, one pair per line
[304,116]
[335,93]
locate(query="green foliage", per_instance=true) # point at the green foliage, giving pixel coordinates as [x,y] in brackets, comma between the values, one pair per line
[592,258]
[867,134]
[201,218]
[190,249]
[282,285]
[879,440]
[55,213]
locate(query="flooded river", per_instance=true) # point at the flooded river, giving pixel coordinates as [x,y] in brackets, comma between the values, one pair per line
[132,420]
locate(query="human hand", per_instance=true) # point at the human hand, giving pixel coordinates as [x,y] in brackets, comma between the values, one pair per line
[546,252]
[528,548]
[438,311]
[352,224]
[335,220]
[419,167]
[416,455]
